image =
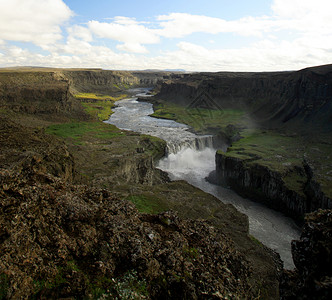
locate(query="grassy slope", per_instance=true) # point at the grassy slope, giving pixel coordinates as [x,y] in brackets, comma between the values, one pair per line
[98,105]
[201,120]
[96,144]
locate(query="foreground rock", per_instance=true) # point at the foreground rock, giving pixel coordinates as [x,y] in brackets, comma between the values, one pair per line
[59,240]
[312,278]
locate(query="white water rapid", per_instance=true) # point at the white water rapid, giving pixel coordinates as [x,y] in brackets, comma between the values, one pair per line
[192,158]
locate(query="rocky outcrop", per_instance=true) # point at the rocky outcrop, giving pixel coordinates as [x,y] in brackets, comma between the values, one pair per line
[260,183]
[99,81]
[73,241]
[312,278]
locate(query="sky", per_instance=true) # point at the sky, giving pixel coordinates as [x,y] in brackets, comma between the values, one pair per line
[191,35]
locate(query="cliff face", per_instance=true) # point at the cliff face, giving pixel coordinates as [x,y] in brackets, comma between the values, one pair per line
[262,184]
[33,92]
[312,278]
[101,81]
[106,81]
[289,99]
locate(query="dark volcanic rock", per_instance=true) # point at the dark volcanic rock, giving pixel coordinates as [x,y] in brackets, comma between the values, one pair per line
[59,240]
[312,278]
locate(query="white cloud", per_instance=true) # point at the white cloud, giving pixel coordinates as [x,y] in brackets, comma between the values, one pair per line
[36,21]
[80,32]
[125,30]
[177,25]
[132,47]
[301,8]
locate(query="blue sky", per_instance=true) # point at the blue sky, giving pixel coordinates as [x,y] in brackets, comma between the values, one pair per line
[194,35]
[147,9]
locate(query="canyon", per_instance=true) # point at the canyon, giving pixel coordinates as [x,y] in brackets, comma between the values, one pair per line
[97,187]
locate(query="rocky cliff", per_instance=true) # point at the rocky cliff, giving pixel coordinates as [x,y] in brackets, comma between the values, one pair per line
[290,99]
[259,182]
[35,92]
[107,81]
[312,278]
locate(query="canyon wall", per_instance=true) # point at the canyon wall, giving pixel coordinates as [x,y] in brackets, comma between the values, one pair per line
[35,92]
[292,99]
[45,91]
[256,181]
[107,81]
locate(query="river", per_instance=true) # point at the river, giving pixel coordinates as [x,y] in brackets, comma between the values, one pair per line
[192,158]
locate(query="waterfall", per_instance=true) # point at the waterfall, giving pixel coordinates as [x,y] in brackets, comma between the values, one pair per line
[193,156]
[197,143]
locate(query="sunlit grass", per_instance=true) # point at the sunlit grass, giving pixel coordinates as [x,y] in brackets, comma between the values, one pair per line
[99,106]
[79,131]
[200,119]
[94,96]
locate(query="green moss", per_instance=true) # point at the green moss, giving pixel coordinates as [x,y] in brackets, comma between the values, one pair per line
[146,203]
[256,241]
[74,130]
[78,130]
[101,110]
[93,96]
[267,148]
[128,286]
[99,106]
